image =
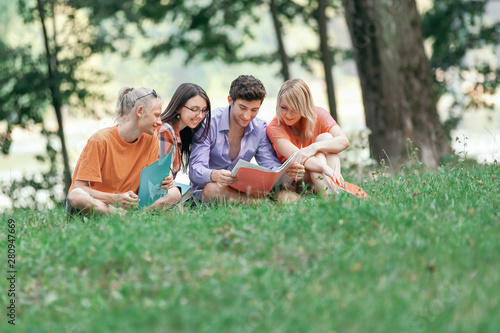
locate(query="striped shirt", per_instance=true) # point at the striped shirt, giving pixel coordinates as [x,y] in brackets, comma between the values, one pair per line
[169,138]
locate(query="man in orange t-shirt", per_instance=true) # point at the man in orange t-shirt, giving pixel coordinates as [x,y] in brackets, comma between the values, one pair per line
[107,174]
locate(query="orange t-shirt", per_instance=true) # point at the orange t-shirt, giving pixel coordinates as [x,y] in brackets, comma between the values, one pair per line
[275,131]
[112,165]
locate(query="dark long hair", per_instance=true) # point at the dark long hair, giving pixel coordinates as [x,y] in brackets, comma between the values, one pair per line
[183,93]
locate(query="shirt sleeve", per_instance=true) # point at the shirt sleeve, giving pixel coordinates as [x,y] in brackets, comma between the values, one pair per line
[275,132]
[199,171]
[265,154]
[90,162]
[325,120]
[166,140]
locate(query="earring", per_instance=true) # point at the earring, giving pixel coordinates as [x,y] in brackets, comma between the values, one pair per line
[178,116]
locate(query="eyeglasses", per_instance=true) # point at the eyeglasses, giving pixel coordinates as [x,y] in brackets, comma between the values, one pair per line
[151,93]
[197,111]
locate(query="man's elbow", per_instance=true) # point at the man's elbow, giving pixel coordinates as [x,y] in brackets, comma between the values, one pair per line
[195,175]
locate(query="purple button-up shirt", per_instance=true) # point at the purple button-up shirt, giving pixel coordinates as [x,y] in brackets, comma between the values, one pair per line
[213,153]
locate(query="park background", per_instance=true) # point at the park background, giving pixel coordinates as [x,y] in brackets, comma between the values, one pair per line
[421,254]
[478,128]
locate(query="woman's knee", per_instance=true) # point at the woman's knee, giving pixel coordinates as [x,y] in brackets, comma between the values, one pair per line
[172,197]
[175,194]
[323,137]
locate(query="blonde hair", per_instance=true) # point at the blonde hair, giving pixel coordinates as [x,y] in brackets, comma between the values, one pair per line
[297,95]
[129,99]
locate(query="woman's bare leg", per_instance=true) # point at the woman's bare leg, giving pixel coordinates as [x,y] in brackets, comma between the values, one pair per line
[172,197]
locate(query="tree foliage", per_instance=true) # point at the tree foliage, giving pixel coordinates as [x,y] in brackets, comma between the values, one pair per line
[54,76]
[456,28]
[23,93]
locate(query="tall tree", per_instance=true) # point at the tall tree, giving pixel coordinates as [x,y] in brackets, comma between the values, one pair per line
[278,29]
[326,56]
[396,80]
[52,62]
[315,16]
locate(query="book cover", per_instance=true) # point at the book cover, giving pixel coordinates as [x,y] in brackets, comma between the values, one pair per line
[151,178]
[185,191]
[257,180]
[351,188]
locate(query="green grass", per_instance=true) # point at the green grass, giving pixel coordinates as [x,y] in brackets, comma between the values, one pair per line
[421,255]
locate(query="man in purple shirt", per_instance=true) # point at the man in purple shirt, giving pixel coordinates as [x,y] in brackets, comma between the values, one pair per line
[235,133]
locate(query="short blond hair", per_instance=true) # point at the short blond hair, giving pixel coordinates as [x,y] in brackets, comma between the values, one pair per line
[297,95]
[129,99]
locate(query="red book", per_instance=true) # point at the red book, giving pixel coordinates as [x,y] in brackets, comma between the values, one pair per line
[257,180]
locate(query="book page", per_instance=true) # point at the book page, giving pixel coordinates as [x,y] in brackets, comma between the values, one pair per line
[284,178]
[242,163]
[295,157]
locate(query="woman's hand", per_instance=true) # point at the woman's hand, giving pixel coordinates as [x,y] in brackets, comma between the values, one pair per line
[168,182]
[222,177]
[333,176]
[308,152]
[337,177]
[296,172]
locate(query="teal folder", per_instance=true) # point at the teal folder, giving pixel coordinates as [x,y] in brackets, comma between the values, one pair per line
[151,177]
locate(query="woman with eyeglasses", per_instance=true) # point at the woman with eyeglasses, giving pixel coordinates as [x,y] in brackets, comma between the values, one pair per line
[107,174]
[187,112]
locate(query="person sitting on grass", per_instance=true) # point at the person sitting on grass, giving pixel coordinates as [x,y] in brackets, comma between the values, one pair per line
[187,112]
[235,133]
[300,124]
[107,174]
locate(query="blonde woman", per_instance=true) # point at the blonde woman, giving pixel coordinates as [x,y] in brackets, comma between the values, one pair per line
[300,124]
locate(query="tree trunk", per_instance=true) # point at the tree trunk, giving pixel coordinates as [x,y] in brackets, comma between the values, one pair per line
[326,57]
[56,94]
[396,79]
[285,71]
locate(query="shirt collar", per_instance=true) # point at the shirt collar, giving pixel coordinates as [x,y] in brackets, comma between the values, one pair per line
[224,121]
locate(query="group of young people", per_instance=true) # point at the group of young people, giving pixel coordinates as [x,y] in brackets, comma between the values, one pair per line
[209,144]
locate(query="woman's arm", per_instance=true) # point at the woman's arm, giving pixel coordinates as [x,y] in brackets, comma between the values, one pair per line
[337,143]
[286,148]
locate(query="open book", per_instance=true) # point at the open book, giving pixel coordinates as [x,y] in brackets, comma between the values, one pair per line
[151,178]
[257,180]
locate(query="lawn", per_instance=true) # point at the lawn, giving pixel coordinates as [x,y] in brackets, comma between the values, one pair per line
[422,254]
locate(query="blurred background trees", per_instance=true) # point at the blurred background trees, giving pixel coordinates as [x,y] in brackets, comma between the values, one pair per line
[407,61]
